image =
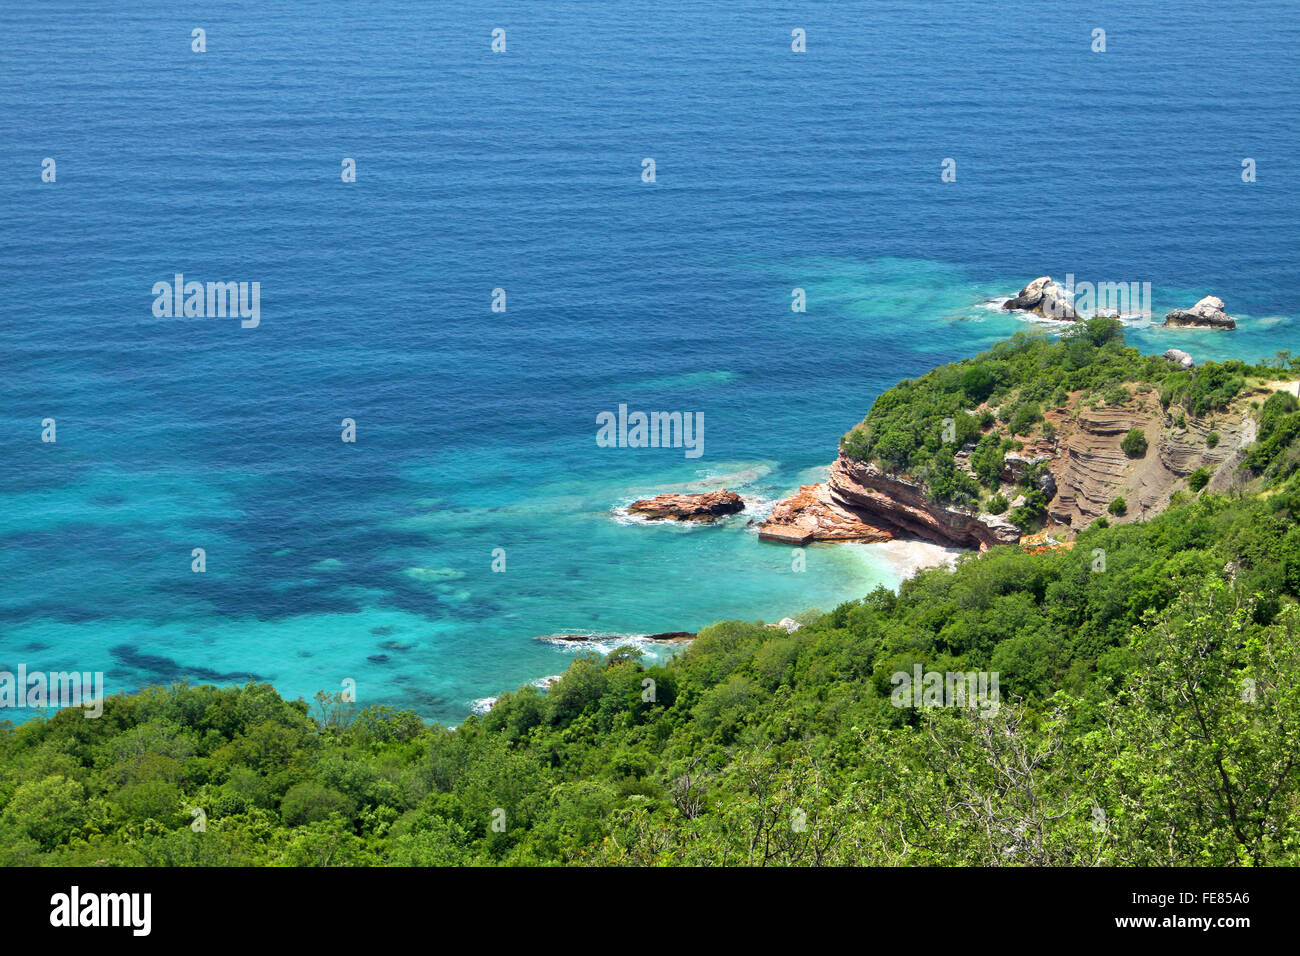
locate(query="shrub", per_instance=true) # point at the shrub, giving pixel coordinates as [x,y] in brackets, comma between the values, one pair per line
[1031,512]
[1198,479]
[978,383]
[1117,395]
[1211,439]
[1277,407]
[1118,507]
[1134,443]
[987,460]
[1024,417]
[997,504]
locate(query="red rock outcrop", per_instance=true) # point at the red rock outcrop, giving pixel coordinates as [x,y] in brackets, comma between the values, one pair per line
[811,515]
[860,502]
[708,506]
[904,507]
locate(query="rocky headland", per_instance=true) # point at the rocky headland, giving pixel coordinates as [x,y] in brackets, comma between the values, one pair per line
[1075,458]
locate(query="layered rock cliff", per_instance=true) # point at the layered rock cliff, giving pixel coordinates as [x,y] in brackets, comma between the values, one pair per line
[860,502]
[1092,470]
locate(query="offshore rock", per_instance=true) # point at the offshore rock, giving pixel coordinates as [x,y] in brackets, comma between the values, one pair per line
[708,506]
[1043,297]
[1206,314]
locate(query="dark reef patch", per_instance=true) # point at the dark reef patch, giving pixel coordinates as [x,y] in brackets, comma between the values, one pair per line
[165,669]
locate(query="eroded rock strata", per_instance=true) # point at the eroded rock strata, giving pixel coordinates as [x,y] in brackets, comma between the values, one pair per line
[858,502]
[813,515]
[1092,470]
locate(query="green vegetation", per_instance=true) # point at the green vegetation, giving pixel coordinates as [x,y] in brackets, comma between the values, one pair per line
[1134,444]
[1117,395]
[1029,515]
[997,504]
[1159,684]
[987,460]
[1118,506]
[1274,454]
[1121,689]
[1198,479]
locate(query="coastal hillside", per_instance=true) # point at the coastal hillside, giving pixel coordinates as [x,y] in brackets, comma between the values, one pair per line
[1134,700]
[1036,436]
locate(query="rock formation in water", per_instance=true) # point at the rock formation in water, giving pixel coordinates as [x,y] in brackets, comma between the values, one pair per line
[1043,297]
[1206,314]
[813,515]
[708,506]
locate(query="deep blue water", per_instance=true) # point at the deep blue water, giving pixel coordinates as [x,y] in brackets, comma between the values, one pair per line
[522,171]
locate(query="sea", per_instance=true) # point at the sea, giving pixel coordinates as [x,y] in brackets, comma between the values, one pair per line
[476,227]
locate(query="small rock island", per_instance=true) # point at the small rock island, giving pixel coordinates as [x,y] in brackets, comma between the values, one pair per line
[708,506]
[1206,314]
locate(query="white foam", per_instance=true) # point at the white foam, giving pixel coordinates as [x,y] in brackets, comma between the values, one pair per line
[607,642]
[622,515]
[483,704]
[906,558]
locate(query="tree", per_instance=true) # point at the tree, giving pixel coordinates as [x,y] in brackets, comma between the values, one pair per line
[978,383]
[1202,745]
[311,802]
[50,811]
[987,460]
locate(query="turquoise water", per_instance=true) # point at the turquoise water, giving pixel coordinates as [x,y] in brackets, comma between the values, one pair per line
[476,430]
